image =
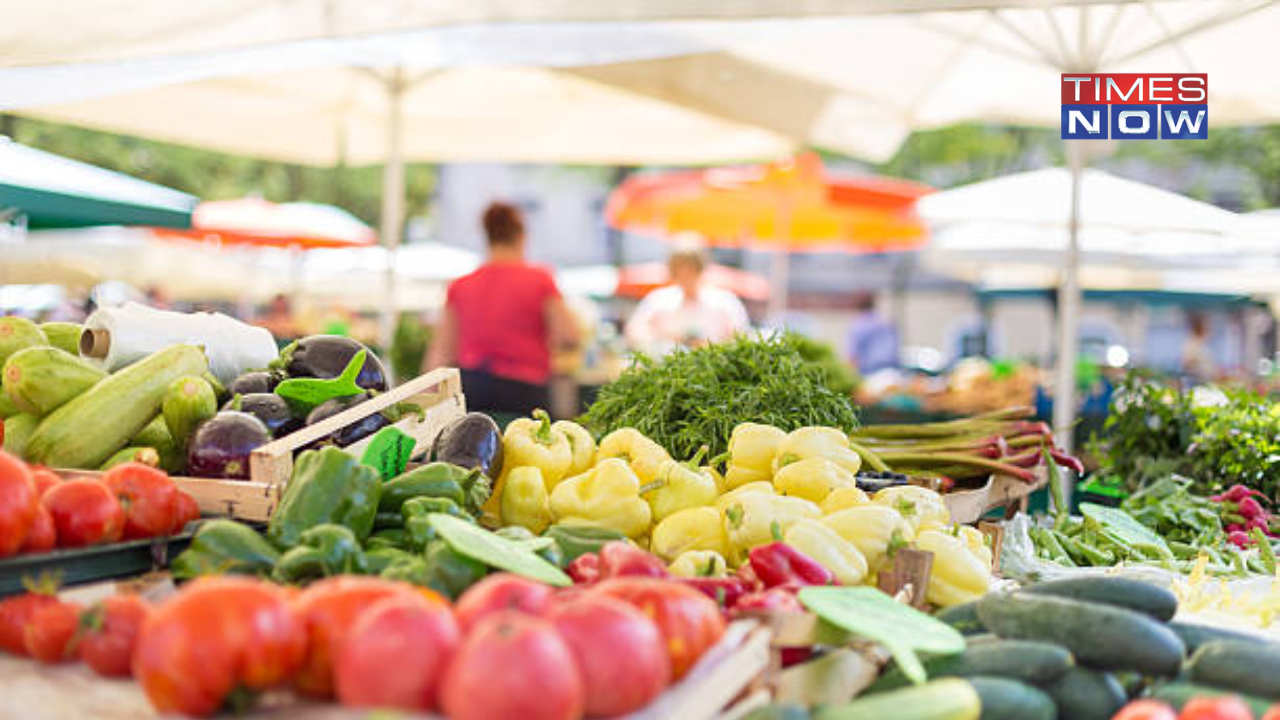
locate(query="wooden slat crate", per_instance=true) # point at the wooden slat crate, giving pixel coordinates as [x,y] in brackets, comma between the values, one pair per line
[438,393]
[1000,491]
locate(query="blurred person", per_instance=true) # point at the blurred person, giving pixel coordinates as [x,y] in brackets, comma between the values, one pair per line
[873,340]
[501,322]
[1197,357]
[156,298]
[687,312]
[278,318]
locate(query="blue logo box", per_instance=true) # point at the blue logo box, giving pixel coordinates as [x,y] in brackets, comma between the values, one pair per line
[1084,122]
[1184,122]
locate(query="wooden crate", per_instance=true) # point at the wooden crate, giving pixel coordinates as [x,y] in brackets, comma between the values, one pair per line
[438,393]
[1000,491]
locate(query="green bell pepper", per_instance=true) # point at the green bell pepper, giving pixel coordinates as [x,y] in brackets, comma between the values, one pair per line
[381,558]
[328,486]
[545,547]
[388,521]
[576,540]
[439,568]
[417,526]
[388,538]
[470,489]
[323,550]
[225,546]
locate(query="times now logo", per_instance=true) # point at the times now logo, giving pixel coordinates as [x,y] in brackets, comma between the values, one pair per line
[1135,106]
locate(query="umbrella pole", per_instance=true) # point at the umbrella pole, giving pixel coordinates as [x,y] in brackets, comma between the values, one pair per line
[779,280]
[1064,400]
[392,203]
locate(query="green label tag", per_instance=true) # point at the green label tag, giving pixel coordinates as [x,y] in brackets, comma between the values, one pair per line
[389,452]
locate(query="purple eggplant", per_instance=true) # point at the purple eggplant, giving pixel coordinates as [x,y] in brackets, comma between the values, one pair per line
[221,445]
[471,441]
[354,432]
[250,383]
[326,356]
[268,407]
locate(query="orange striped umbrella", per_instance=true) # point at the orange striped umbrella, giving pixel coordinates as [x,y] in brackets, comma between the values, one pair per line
[253,221]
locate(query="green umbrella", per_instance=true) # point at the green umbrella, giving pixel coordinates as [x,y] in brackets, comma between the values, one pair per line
[51,191]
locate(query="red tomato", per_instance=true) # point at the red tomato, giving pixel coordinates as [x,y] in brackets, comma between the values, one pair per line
[85,513]
[49,633]
[15,613]
[44,479]
[148,497]
[1146,710]
[513,665]
[502,591]
[690,622]
[216,635]
[18,501]
[327,610]
[42,536]
[1216,708]
[1273,713]
[109,632]
[615,682]
[185,510]
[415,636]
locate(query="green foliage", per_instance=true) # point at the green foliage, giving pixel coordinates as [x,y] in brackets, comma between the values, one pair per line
[409,346]
[838,374]
[692,398]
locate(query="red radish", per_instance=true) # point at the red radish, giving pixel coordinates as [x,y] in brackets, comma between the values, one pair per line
[1251,509]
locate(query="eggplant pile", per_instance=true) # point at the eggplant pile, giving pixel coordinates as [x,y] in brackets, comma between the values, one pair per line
[314,379]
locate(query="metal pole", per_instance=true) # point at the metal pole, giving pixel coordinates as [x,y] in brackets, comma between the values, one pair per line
[392,202]
[1064,395]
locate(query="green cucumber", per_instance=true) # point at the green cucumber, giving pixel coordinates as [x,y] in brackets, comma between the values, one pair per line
[1246,667]
[7,408]
[187,402]
[91,428]
[1178,694]
[1144,597]
[63,335]
[145,455]
[18,333]
[1005,699]
[1024,660]
[17,433]
[1100,636]
[156,435]
[946,699]
[39,380]
[1084,694]
[963,617]
[1194,636]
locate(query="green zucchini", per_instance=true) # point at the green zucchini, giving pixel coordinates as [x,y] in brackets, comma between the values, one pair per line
[91,428]
[17,433]
[1024,660]
[963,617]
[1084,694]
[1178,694]
[1100,636]
[156,435]
[63,335]
[1005,699]
[1144,597]
[1194,636]
[145,455]
[778,711]
[17,333]
[945,699]
[187,402]
[1243,666]
[39,380]
[7,408]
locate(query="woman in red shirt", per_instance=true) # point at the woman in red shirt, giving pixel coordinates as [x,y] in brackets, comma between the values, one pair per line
[501,322]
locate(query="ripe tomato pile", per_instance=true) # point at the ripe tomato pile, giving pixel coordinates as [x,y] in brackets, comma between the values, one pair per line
[511,647]
[39,511]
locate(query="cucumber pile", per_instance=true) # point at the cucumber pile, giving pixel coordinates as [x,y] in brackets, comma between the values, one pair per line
[1075,649]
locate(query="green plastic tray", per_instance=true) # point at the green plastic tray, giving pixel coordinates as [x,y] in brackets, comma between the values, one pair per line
[82,565]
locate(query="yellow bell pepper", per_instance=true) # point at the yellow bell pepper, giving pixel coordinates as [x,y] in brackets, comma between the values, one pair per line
[525,501]
[697,528]
[831,551]
[922,507]
[680,486]
[826,442]
[533,443]
[842,499]
[756,518]
[582,447]
[874,529]
[958,576]
[812,479]
[643,455]
[731,497]
[608,495]
[751,450]
[699,563]
[718,477]
[976,541]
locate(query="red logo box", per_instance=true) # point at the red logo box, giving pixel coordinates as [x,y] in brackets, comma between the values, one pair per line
[1135,88]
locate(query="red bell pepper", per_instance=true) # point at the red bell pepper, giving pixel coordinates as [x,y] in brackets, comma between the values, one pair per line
[619,559]
[779,564]
[585,569]
[726,591]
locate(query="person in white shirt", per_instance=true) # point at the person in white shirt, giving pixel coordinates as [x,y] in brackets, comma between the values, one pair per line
[687,312]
